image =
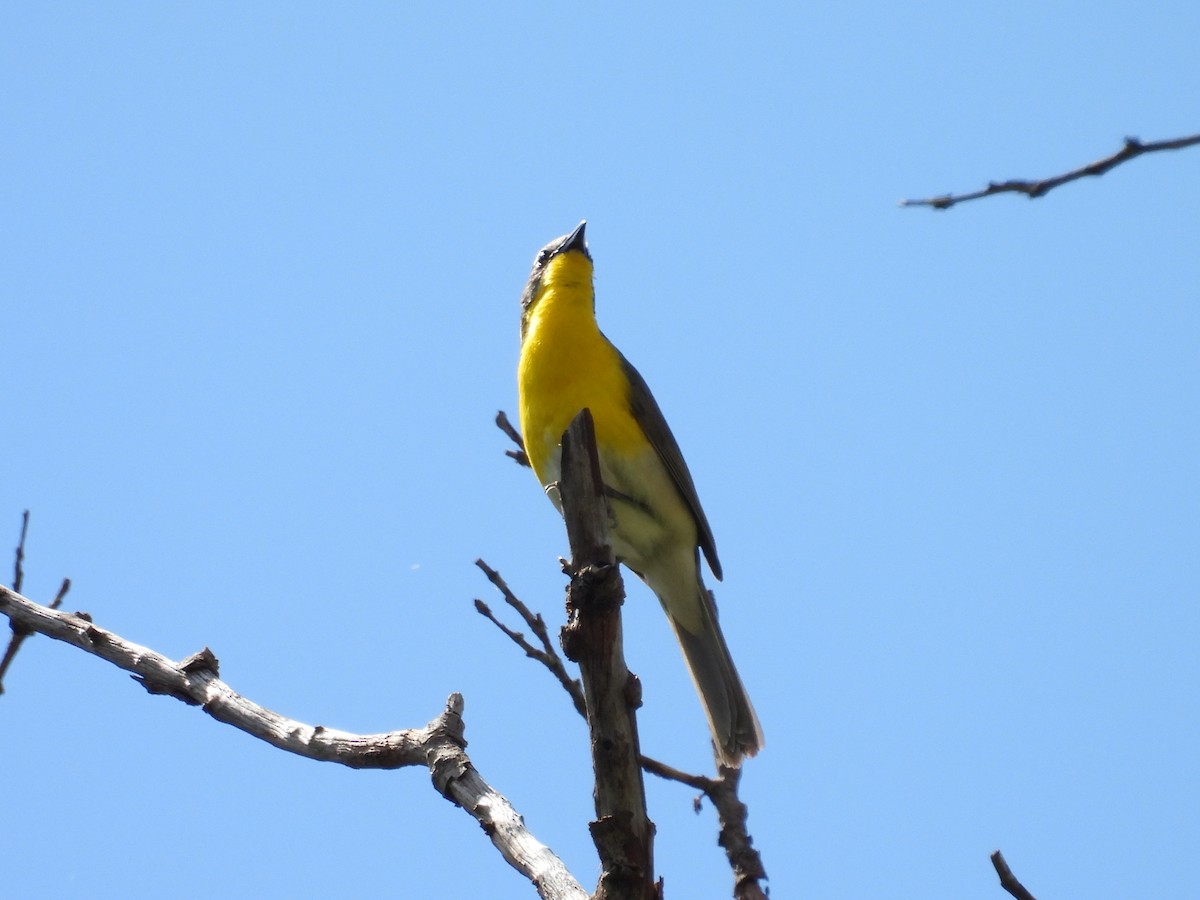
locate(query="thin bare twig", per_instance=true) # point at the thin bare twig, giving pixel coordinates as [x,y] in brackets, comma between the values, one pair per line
[521,457]
[437,745]
[547,655]
[62,593]
[549,658]
[1008,880]
[19,632]
[670,773]
[18,572]
[10,652]
[1034,189]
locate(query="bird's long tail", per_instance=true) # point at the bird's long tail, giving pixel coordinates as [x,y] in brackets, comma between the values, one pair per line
[735,728]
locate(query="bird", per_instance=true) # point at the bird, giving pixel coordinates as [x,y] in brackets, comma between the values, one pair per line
[657,526]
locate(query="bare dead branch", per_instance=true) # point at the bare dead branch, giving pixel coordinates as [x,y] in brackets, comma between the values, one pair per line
[748,871]
[622,832]
[722,792]
[437,745]
[1008,880]
[1034,189]
[546,655]
[670,773]
[19,632]
[506,426]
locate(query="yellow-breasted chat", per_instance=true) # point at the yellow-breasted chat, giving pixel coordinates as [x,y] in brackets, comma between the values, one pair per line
[658,527]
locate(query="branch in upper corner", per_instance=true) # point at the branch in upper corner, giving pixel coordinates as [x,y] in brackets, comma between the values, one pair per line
[1008,880]
[521,457]
[1034,189]
[19,632]
[438,745]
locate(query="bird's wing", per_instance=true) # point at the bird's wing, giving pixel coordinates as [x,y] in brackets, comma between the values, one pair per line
[654,425]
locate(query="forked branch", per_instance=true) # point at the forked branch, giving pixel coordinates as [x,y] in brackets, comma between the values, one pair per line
[437,745]
[20,633]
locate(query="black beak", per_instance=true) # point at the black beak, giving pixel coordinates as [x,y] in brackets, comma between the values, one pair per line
[575,241]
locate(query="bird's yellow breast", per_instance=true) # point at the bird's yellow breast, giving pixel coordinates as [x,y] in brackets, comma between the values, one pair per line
[567,364]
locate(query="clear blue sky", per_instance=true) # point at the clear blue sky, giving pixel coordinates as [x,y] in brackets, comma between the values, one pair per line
[261,266]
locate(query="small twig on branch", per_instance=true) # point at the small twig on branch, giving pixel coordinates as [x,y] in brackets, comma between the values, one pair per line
[670,773]
[546,655]
[437,745]
[18,571]
[1008,880]
[19,632]
[1034,189]
[506,426]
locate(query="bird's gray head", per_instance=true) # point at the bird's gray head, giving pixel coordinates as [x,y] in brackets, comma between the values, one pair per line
[574,241]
